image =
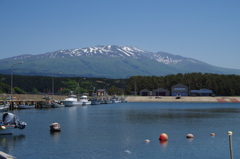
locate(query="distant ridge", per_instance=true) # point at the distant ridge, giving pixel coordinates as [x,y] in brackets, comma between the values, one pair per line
[109,61]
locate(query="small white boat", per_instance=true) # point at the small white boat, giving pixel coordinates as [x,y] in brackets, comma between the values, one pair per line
[95,102]
[101,101]
[4,107]
[68,102]
[115,100]
[84,100]
[73,101]
[25,106]
[57,105]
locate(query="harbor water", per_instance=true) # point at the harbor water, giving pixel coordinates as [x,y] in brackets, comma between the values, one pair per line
[119,131]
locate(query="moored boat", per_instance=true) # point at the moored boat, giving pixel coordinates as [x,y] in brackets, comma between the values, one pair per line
[73,101]
[4,107]
[95,102]
[45,104]
[84,100]
[6,129]
[57,105]
[68,102]
[9,122]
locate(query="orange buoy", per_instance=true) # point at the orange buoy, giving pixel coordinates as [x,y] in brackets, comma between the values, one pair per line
[212,134]
[190,136]
[163,137]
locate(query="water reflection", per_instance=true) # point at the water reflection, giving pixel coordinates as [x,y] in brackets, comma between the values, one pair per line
[109,130]
[8,142]
[189,140]
[136,115]
[163,143]
[55,135]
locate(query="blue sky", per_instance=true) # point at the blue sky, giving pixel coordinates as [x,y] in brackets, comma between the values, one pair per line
[206,30]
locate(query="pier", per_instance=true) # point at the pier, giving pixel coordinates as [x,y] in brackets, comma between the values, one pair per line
[43,101]
[27,99]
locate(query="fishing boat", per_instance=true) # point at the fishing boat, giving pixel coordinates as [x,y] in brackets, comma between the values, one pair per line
[9,123]
[95,101]
[57,105]
[4,107]
[68,102]
[45,104]
[72,100]
[84,100]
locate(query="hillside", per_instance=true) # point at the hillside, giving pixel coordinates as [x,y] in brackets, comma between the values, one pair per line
[110,61]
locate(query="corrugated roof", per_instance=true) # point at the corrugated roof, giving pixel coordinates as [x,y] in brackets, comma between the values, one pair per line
[161,90]
[201,91]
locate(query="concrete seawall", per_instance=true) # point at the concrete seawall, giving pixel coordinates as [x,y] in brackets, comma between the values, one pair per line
[183,99]
[31,96]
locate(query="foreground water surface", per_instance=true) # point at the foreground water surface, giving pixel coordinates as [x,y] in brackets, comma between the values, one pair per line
[119,131]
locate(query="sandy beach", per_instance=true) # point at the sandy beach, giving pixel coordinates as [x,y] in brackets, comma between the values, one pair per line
[218,99]
[202,99]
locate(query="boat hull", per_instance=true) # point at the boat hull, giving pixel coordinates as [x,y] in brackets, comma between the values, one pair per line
[3,109]
[45,104]
[57,105]
[26,106]
[75,103]
[7,129]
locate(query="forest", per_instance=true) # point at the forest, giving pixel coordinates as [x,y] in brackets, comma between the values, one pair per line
[221,85]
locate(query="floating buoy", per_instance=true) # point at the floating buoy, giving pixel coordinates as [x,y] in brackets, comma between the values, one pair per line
[147,140]
[55,127]
[127,152]
[212,134]
[163,137]
[190,136]
[2,127]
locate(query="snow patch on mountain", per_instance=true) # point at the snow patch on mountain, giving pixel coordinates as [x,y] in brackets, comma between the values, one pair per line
[167,60]
[112,51]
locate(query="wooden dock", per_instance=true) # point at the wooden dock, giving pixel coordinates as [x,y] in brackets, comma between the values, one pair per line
[14,103]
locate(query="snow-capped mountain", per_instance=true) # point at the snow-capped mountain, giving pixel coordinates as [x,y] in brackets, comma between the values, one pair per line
[112,51]
[111,61]
[107,50]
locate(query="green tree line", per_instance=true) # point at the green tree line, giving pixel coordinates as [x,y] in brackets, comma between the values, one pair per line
[224,85]
[60,85]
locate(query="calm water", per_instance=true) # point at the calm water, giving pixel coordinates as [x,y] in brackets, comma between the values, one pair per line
[107,131]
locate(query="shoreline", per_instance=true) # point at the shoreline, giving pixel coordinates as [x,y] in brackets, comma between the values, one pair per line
[187,99]
[193,99]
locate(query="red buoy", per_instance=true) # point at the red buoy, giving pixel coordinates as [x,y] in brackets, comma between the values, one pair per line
[163,137]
